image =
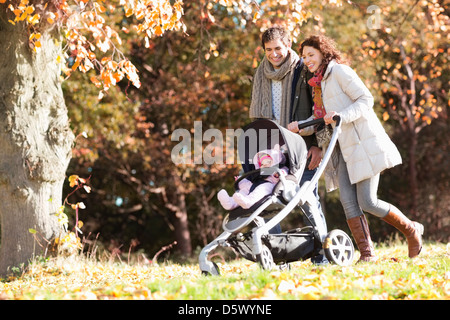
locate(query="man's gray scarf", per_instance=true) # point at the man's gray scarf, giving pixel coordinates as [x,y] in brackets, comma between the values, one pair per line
[261,105]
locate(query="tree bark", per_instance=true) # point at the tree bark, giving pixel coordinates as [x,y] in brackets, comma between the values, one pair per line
[35,143]
[175,201]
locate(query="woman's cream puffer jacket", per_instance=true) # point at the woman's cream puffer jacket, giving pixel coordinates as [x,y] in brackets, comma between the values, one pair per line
[365,146]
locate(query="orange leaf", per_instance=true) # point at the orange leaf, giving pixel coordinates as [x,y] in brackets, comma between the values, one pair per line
[105,60]
[75,65]
[96,82]
[128,12]
[117,76]
[158,31]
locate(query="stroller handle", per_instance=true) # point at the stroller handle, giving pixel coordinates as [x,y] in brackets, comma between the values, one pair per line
[318,121]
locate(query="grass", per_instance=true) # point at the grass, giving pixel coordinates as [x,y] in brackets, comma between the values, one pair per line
[393,276]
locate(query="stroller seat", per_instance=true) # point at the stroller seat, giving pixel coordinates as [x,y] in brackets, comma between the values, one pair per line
[277,190]
[271,204]
[240,212]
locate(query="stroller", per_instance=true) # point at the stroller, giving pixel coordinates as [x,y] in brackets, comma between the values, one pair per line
[247,230]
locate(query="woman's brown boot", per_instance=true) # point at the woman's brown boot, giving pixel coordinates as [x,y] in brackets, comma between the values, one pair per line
[361,233]
[412,230]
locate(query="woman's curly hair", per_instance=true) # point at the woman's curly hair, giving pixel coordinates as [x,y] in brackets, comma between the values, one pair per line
[326,46]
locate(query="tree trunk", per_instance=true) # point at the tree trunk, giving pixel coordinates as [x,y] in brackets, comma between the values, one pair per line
[179,216]
[35,143]
[413,185]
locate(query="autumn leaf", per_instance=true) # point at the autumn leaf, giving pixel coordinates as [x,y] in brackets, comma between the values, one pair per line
[73,180]
[158,31]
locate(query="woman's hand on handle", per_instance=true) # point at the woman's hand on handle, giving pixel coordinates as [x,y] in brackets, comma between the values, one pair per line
[329,117]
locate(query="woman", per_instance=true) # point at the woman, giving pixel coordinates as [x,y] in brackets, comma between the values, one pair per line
[364,149]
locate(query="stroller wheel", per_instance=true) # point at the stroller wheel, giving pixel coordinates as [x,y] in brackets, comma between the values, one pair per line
[265,259]
[338,248]
[284,266]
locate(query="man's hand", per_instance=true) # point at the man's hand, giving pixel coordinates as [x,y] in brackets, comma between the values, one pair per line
[316,157]
[293,126]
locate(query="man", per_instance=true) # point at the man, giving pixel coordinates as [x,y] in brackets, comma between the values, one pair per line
[281,93]
[272,83]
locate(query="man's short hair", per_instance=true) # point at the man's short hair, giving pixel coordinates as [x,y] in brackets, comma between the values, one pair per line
[274,33]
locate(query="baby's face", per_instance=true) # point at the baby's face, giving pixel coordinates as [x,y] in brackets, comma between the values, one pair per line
[266,163]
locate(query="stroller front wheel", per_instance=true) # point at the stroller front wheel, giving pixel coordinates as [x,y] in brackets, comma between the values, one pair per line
[265,259]
[213,270]
[338,248]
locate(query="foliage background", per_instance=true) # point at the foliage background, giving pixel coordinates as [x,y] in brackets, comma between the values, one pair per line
[205,75]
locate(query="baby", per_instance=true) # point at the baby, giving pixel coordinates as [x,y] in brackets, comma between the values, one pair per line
[246,198]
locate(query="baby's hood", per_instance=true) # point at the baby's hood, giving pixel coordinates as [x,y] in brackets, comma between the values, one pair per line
[276,154]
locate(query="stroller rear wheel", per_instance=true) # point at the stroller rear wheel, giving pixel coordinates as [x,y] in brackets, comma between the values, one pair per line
[339,248]
[265,259]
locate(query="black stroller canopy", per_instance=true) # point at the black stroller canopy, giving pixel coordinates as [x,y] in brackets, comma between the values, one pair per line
[265,134]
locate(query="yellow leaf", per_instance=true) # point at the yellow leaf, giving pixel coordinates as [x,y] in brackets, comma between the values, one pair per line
[34,19]
[385,116]
[73,179]
[29,10]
